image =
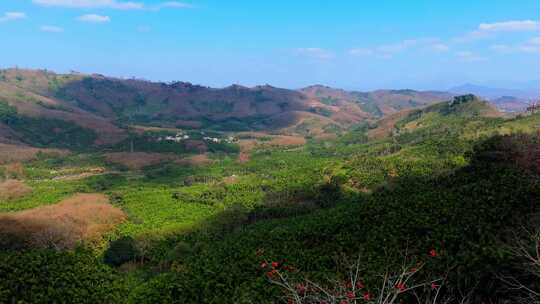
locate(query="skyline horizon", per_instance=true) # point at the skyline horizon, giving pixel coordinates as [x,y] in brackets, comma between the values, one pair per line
[531,86]
[416,44]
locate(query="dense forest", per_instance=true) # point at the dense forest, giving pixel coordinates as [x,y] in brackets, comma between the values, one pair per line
[437,205]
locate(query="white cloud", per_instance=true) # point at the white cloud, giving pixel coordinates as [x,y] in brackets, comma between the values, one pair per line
[439,47]
[473,36]
[317,53]
[501,48]
[361,52]
[534,41]
[490,30]
[511,26]
[11,16]
[387,51]
[113,4]
[398,47]
[530,46]
[93,18]
[467,56]
[174,4]
[51,29]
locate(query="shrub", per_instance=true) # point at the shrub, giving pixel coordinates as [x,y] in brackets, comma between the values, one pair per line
[121,251]
[48,276]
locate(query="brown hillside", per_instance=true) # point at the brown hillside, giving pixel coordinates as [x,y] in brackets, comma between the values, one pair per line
[386,125]
[138,160]
[13,189]
[18,153]
[25,96]
[376,103]
[82,217]
[102,103]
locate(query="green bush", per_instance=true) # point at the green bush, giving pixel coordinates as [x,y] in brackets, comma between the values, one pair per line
[58,277]
[121,251]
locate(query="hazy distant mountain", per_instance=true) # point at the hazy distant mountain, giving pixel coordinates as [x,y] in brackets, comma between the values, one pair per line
[380,102]
[510,104]
[490,93]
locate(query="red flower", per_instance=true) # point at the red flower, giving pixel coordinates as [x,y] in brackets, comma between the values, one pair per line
[264,265]
[275,264]
[367,296]
[351,295]
[290,301]
[344,302]
[414,269]
[433,253]
[359,285]
[401,286]
[271,273]
[434,286]
[301,289]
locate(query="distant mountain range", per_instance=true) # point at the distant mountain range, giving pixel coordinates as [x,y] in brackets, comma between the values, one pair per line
[99,110]
[509,100]
[58,105]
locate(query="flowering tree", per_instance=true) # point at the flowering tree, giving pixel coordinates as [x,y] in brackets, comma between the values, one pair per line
[525,286]
[395,287]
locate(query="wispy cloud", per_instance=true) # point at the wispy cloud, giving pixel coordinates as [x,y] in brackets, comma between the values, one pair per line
[361,52]
[511,26]
[534,41]
[51,29]
[439,47]
[93,18]
[173,4]
[112,4]
[11,16]
[317,53]
[530,46]
[490,30]
[387,51]
[467,56]
[390,49]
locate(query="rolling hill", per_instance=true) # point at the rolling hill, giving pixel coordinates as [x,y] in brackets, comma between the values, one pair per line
[446,186]
[101,107]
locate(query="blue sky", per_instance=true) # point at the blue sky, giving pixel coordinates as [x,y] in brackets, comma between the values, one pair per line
[353,44]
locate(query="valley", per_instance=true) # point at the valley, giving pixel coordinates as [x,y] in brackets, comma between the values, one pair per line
[129,191]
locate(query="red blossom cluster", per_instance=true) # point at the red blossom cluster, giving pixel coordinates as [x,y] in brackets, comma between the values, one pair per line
[401,286]
[367,296]
[273,268]
[301,289]
[348,292]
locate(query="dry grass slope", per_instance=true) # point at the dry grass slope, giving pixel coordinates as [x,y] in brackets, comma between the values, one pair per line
[20,153]
[13,189]
[80,218]
[138,160]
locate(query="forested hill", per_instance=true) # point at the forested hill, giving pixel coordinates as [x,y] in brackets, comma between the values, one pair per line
[425,205]
[102,107]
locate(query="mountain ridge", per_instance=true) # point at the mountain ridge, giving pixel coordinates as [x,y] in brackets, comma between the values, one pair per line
[107,106]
